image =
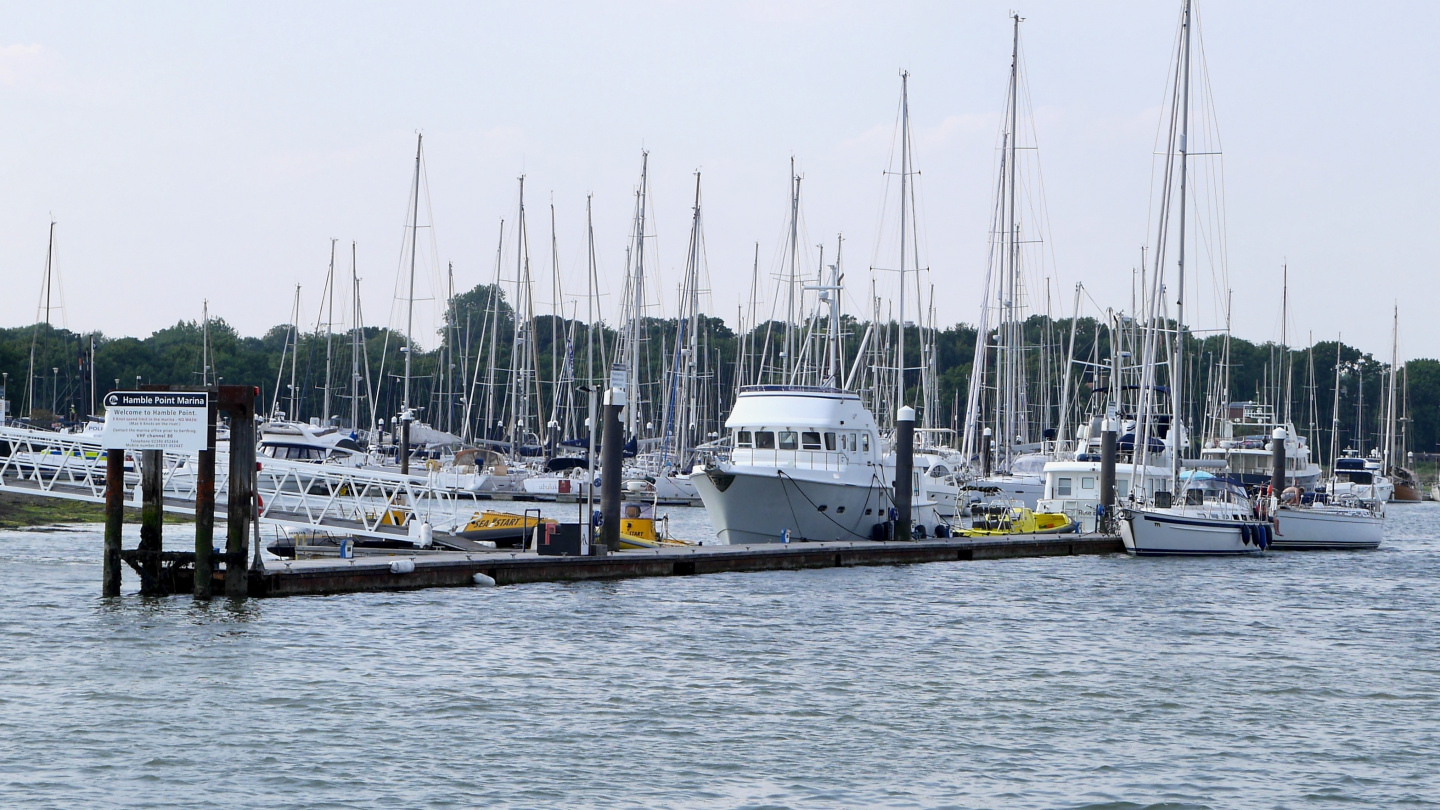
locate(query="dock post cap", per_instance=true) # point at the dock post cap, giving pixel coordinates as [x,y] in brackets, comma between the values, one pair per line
[906,414]
[1279,434]
[1107,425]
[986,432]
[615,396]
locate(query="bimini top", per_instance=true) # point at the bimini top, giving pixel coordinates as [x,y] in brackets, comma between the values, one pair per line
[779,406]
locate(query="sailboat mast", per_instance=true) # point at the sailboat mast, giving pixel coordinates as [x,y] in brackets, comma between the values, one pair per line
[1285,338]
[410,299]
[204,346]
[1177,375]
[35,336]
[492,313]
[590,279]
[637,290]
[1011,365]
[329,324]
[1335,410]
[904,199]
[1389,458]
[519,378]
[793,271]
[356,337]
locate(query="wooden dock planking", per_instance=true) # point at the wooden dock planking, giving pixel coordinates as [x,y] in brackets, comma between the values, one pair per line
[452,569]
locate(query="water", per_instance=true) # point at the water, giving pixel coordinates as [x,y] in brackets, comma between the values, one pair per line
[1293,680]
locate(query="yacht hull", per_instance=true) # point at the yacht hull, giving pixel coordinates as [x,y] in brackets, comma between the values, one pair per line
[1321,528]
[1147,532]
[758,505]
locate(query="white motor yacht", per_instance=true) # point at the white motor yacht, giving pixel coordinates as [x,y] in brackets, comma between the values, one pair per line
[1242,445]
[806,464]
[1360,479]
[298,441]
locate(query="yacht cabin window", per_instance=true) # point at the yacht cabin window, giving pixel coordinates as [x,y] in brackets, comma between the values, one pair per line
[1122,488]
[1062,487]
[810,440]
[1087,482]
[742,438]
[789,440]
[829,441]
[764,440]
[865,442]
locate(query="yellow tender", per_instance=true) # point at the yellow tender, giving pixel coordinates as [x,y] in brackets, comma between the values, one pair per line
[1020,520]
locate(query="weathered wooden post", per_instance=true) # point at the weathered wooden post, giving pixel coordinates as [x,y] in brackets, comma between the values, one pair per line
[205,507]
[241,490]
[612,449]
[114,520]
[405,442]
[904,471]
[1106,523]
[152,518]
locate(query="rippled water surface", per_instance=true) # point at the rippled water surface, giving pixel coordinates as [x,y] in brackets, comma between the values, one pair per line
[1293,680]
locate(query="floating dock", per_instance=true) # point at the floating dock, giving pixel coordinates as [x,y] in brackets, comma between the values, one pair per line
[316,577]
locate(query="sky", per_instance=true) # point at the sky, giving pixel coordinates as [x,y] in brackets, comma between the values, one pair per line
[212,151]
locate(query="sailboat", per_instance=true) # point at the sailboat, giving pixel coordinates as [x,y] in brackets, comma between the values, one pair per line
[1406,484]
[1210,516]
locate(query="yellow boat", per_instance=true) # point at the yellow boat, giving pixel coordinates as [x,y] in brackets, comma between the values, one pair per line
[1018,520]
[502,528]
[638,528]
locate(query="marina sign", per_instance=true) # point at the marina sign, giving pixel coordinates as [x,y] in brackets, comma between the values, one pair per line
[156,420]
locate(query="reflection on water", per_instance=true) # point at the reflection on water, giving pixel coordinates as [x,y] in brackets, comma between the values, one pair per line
[1287,680]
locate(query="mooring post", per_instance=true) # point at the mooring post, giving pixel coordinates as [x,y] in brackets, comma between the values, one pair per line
[405,443]
[1277,463]
[904,471]
[114,520]
[241,492]
[1107,476]
[205,508]
[986,440]
[612,450]
[152,518]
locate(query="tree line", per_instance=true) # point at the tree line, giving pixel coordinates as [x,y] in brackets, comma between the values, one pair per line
[467,373]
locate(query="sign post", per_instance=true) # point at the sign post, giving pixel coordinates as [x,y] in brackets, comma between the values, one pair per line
[146,424]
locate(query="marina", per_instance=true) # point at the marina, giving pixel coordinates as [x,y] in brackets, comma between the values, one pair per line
[674,405]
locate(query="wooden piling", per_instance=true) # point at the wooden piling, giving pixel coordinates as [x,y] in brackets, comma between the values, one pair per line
[114,520]
[152,518]
[242,494]
[904,471]
[205,509]
[612,448]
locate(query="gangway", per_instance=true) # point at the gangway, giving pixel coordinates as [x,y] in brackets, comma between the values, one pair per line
[359,502]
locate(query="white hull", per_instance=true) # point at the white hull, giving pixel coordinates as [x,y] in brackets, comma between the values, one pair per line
[554,485]
[1327,527]
[1180,533]
[756,507]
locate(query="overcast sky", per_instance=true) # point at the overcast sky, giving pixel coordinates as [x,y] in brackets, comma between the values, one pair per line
[204,150]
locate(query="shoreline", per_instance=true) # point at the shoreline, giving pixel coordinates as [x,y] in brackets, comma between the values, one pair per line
[22,511]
